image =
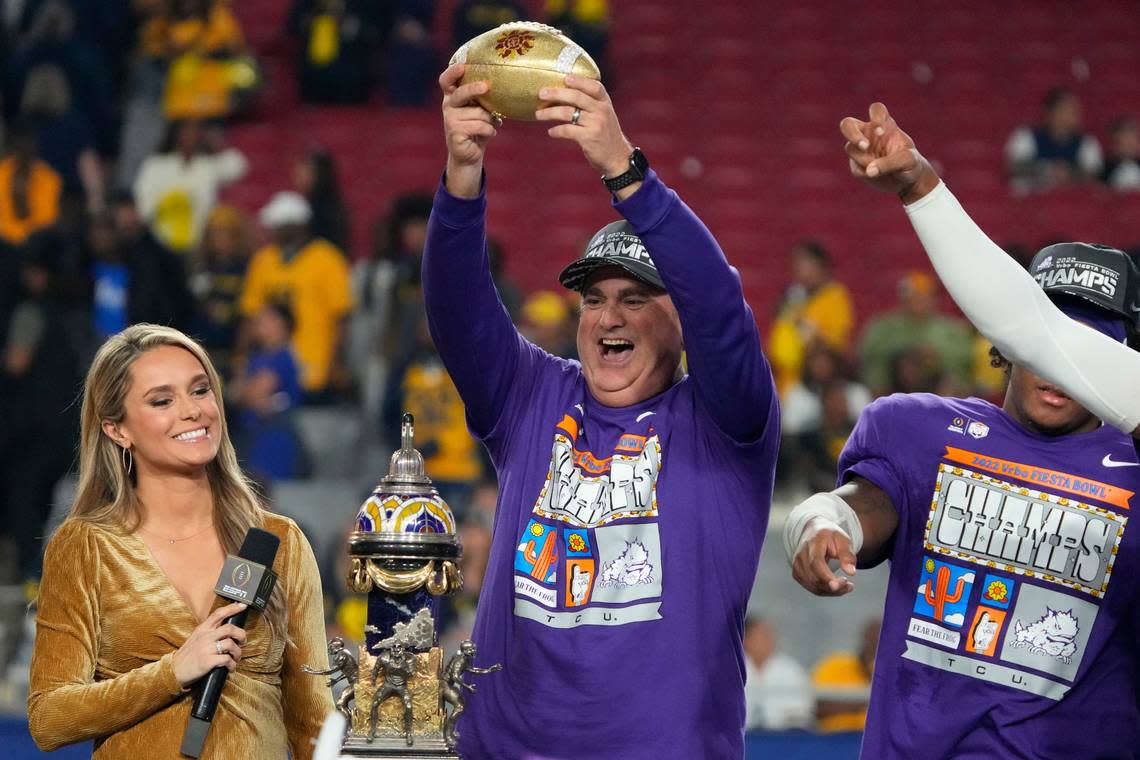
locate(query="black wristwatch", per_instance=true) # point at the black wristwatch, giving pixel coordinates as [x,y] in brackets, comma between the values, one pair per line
[638,166]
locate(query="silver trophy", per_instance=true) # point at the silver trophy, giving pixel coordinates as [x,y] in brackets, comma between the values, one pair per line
[401,699]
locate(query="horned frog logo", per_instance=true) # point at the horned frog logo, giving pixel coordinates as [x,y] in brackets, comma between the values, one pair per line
[1053,635]
[629,568]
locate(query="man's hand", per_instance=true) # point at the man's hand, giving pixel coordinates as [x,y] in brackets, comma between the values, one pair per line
[467,128]
[597,130]
[810,565]
[884,156]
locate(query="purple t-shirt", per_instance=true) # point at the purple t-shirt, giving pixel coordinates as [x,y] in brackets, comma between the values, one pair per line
[1011,614]
[626,539]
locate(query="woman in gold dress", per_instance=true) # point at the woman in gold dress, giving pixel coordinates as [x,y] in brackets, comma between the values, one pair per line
[127,616]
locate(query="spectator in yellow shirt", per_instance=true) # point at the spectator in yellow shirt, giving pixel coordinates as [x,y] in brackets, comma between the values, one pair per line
[587,22]
[815,308]
[419,384]
[309,274]
[842,682]
[29,188]
[203,43]
[989,380]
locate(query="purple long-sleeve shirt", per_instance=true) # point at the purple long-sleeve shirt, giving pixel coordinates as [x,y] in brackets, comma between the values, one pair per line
[626,539]
[1010,628]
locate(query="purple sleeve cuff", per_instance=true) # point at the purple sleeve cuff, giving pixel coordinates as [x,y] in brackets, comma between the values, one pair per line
[880,473]
[457,213]
[648,205]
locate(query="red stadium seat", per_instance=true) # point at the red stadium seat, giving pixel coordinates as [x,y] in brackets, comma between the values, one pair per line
[737,105]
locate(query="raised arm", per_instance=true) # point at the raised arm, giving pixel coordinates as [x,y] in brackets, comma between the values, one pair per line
[469,324]
[1006,305]
[722,343]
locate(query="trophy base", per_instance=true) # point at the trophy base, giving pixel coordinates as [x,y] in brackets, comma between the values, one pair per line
[425,748]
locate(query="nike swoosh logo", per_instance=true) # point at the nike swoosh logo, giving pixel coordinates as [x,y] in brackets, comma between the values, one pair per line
[1108,461]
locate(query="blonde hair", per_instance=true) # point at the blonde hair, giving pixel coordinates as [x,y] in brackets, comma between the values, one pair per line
[106,495]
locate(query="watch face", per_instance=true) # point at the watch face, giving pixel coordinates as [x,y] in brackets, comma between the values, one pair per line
[639,161]
[638,165]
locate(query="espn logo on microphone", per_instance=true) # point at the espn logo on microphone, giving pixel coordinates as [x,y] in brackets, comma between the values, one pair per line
[244,581]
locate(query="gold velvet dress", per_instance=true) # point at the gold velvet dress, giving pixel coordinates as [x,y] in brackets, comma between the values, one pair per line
[109,623]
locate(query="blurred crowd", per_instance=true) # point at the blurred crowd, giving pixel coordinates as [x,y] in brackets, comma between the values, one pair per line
[113,171]
[827,374]
[1059,150]
[782,694]
[114,162]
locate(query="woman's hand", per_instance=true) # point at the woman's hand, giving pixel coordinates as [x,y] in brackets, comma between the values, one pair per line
[200,654]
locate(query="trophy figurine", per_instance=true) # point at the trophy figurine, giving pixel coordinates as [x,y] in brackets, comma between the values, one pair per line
[400,700]
[342,667]
[454,685]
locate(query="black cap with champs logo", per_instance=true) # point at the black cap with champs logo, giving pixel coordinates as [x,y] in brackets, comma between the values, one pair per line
[612,245]
[1106,277]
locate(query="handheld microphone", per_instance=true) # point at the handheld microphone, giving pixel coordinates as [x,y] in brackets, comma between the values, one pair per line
[245,578]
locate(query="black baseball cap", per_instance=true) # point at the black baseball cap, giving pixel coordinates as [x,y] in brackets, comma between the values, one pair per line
[1106,277]
[612,245]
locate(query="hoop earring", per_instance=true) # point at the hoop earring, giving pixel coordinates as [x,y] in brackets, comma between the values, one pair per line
[128,460]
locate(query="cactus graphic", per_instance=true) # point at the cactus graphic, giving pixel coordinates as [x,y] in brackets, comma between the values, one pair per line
[938,598]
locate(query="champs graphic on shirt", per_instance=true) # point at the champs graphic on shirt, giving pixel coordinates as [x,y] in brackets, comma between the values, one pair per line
[1012,577]
[591,552]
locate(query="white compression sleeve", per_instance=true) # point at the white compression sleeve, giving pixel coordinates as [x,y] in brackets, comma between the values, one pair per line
[829,511]
[1007,306]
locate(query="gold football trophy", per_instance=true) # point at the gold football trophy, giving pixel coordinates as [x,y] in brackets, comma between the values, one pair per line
[519,59]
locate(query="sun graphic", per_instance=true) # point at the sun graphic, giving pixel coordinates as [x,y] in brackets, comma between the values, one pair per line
[576,542]
[997,591]
[930,566]
[536,529]
[516,42]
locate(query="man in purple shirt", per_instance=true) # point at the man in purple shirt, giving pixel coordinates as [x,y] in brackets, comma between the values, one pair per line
[1011,613]
[633,497]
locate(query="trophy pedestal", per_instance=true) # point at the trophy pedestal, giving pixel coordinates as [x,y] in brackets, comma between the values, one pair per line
[425,748]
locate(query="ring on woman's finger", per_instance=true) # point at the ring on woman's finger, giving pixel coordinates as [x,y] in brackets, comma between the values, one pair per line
[219,648]
[575,116]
